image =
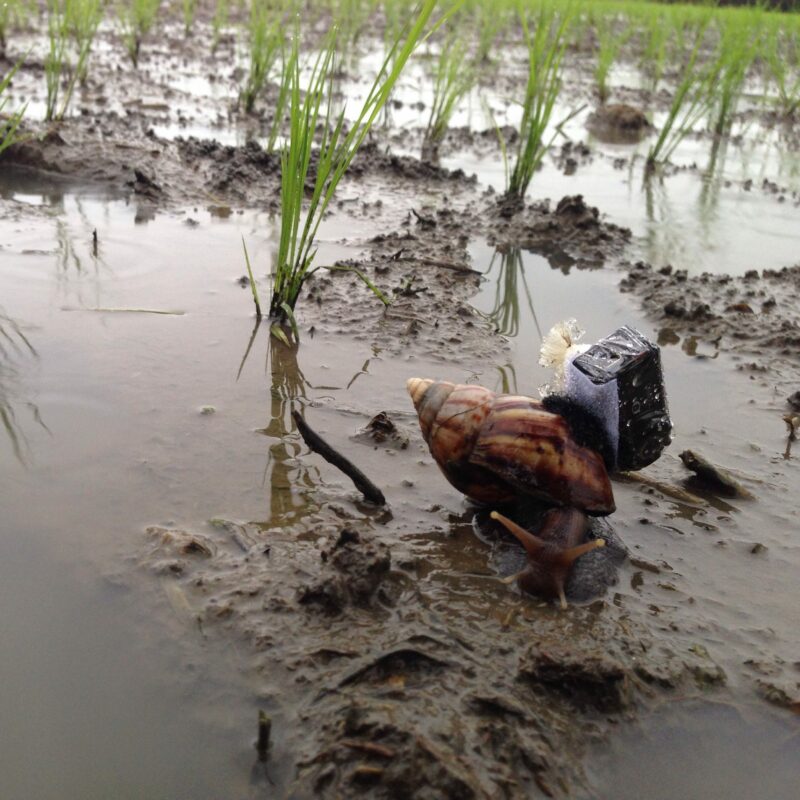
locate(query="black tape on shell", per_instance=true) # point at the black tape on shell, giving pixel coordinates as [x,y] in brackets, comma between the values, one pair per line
[634,362]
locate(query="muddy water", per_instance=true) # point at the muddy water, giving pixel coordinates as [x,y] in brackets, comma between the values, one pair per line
[699,749]
[109,692]
[110,667]
[144,399]
[715,213]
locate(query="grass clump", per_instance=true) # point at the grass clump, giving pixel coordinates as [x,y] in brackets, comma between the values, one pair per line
[337,147]
[609,44]
[780,54]
[546,47]
[691,102]
[453,77]
[9,125]
[265,45]
[137,18]
[55,62]
[68,20]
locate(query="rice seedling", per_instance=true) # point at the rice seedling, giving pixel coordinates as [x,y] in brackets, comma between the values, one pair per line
[453,77]
[189,9]
[265,45]
[350,17]
[137,18]
[55,62]
[737,49]
[14,14]
[219,21]
[545,54]
[9,125]
[7,11]
[336,150]
[68,19]
[13,344]
[654,55]
[780,54]
[394,12]
[609,43]
[692,100]
[488,23]
[83,17]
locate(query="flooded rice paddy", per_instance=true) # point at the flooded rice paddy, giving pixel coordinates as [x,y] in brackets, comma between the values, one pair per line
[140,397]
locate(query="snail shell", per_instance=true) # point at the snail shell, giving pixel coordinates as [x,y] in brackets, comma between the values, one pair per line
[495,447]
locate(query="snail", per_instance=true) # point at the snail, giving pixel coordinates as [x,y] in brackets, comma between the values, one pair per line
[497,449]
[501,450]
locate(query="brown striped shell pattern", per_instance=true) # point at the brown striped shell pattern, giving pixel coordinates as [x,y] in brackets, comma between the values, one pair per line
[495,448]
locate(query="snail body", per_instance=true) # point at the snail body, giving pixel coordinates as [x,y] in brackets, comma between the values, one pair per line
[499,449]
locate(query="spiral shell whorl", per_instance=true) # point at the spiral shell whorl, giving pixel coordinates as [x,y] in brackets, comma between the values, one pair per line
[493,447]
[428,397]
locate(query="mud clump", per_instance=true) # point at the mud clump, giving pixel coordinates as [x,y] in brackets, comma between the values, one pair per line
[586,680]
[372,752]
[754,313]
[355,570]
[571,234]
[619,123]
[381,430]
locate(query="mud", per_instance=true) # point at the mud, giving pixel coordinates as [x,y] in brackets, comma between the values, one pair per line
[393,661]
[757,313]
[619,123]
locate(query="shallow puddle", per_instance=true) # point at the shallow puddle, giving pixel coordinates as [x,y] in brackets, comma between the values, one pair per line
[144,397]
[700,749]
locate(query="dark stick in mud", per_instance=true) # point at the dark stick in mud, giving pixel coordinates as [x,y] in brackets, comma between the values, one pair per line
[264,731]
[364,485]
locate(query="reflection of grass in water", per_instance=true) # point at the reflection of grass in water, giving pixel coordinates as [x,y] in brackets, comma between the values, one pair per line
[13,344]
[508,379]
[282,472]
[505,314]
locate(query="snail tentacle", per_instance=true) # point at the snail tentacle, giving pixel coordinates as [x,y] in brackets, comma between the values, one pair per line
[569,555]
[532,543]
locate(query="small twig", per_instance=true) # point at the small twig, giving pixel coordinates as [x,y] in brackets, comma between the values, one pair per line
[438,262]
[110,310]
[792,423]
[674,492]
[426,222]
[264,732]
[373,748]
[370,491]
[716,477]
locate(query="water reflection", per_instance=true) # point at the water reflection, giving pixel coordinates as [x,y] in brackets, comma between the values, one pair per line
[14,345]
[284,474]
[509,280]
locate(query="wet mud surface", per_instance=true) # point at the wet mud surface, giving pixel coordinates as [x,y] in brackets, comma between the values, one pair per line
[381,641]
